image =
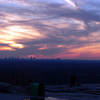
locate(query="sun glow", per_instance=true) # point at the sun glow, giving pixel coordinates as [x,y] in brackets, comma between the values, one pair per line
[15,45]
[11,44]
[5,48]
[11,36]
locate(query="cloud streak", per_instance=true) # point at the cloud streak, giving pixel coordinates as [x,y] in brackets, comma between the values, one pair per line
[72,3]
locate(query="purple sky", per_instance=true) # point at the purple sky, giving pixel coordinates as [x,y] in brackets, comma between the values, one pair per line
[50,29]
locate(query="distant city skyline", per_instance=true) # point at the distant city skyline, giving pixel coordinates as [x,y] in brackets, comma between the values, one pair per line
[66,29]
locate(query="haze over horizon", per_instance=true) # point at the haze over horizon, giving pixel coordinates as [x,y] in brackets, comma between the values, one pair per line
[67,29]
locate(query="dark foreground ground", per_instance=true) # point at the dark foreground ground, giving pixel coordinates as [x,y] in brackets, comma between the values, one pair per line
[55,92]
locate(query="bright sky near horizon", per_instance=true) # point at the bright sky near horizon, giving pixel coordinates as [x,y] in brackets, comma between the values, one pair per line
[50,29]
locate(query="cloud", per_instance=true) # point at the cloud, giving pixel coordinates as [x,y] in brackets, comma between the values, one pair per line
[48,30]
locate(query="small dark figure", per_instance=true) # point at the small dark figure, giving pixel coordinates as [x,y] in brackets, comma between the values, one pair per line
[73,81]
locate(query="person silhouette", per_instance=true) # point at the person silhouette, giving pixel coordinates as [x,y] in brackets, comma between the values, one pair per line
[73,81]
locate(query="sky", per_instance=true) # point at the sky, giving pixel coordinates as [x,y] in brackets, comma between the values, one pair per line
[67,29]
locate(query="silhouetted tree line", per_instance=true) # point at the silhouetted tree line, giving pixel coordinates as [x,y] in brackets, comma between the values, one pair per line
[52,71]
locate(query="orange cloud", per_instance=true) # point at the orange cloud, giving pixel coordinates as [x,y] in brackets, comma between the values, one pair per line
[43,47]
[5,48]
[91,50]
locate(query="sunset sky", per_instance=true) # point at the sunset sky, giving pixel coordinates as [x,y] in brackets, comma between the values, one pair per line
[68,29]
